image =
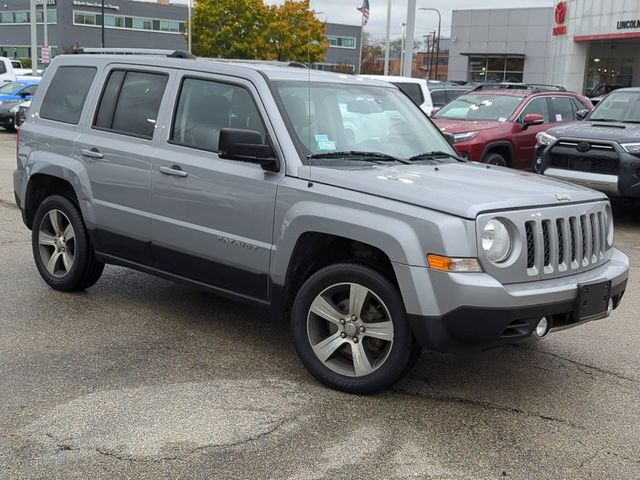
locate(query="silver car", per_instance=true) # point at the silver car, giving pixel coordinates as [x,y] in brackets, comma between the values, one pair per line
[328,198]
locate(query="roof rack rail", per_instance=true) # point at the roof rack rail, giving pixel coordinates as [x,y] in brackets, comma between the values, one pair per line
[533,87]
[276,63]
[136,51]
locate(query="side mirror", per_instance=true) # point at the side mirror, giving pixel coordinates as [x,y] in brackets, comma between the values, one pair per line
[24,94]
[582,114]
[532,119]
[450,138]
[246,146]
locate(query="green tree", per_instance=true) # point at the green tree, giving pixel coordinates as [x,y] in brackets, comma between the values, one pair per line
[250,29]
[294,33]
[228,28]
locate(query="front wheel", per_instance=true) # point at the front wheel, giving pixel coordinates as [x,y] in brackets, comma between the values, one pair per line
[496,159]
[350,329]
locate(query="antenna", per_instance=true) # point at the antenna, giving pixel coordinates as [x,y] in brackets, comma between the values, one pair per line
[309,182]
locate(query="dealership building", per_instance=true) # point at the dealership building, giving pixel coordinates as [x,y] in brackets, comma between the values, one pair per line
[74,24]
[580,44]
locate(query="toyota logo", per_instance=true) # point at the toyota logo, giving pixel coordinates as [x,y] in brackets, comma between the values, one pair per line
[561,12]
[583,147]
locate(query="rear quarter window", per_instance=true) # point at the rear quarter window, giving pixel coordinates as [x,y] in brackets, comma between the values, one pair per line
[3,68]
[67,92]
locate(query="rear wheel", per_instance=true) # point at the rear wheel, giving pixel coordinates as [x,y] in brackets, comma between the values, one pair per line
[495,159]
[350,329]
[61,247]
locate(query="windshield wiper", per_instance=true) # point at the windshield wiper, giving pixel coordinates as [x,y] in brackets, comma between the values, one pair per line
[364,155]
[435,154]
[604,120]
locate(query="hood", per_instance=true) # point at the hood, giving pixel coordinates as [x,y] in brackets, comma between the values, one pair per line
[460,126]
[594,130]
[461,189]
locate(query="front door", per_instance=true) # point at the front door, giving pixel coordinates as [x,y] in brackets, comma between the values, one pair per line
[213,218]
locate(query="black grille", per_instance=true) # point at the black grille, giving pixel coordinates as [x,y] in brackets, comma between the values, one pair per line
[585,164]
[572,231]
[560,241]
[531,252]
[547,248]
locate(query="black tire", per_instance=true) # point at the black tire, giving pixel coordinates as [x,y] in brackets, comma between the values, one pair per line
[85,270]
[401,352]
[496,159]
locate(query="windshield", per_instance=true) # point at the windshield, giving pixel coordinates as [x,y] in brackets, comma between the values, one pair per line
[480,107]
[326,118]
[11,88]
[618,107]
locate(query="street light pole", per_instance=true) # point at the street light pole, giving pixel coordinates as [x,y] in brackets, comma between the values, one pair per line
[189,30]
[34,38]
[438,44]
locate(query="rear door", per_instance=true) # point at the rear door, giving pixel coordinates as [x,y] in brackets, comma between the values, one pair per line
[116,146]
[213,218]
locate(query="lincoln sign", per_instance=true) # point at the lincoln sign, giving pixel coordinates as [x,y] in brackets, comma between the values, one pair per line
[628,24]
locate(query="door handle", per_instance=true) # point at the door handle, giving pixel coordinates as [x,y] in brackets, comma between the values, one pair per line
[174,170]
[92,153]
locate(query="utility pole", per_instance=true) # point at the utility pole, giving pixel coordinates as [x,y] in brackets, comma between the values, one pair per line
[34,38]
[410,32]
[438,44]
[402,46]
[387,41]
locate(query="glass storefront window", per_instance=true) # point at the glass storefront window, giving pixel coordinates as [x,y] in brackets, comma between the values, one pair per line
[495,69]
[121,21]
[607,74]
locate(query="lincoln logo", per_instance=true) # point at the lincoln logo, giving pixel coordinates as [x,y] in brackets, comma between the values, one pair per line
[563,197]
[583,147]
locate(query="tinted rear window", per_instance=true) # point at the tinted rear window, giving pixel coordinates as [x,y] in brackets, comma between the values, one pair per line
[412,90]
[438,97]
[3,69]
[67,92]
[130,102]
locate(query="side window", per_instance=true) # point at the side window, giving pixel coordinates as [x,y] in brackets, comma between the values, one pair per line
[453,94]
[439,98]
[130,103]
[561,109]
[537,105]
[30,90]
[577,105]
[412,90]
[67,93]
[3,68]
[205,107]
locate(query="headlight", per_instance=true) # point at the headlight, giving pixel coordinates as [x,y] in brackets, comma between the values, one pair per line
[463,137]
[633,148]
[14,109]
[544,138]
[496,241]
[608,225]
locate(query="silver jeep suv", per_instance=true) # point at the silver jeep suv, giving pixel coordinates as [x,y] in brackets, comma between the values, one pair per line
[328,198]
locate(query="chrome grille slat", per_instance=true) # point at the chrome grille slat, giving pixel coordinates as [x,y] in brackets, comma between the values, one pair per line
[565,243]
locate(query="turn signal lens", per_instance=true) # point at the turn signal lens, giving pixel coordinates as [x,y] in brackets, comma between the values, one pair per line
[450,264]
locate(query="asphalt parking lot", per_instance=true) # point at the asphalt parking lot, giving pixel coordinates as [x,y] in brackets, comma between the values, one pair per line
[142,378]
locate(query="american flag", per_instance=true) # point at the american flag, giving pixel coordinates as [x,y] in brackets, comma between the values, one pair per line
[365,12]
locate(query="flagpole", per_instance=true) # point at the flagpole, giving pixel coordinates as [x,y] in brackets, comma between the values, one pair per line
[361,41]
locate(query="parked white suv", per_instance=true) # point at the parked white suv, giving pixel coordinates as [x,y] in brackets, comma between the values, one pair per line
[416,89]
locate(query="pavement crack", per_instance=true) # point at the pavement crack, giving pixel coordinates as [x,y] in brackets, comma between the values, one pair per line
[582,366]
[8,204]
[623,457]
[488,406]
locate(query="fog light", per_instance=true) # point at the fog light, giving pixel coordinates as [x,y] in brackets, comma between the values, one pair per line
[543,327]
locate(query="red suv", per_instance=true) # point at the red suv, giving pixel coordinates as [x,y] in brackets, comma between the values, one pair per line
[497,124]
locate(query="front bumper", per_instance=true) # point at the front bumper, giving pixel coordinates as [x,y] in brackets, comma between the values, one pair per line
[7,120]
[624,182]
[473,311]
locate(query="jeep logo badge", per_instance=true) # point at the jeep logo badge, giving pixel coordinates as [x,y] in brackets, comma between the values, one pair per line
[583,147]
[563,197]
